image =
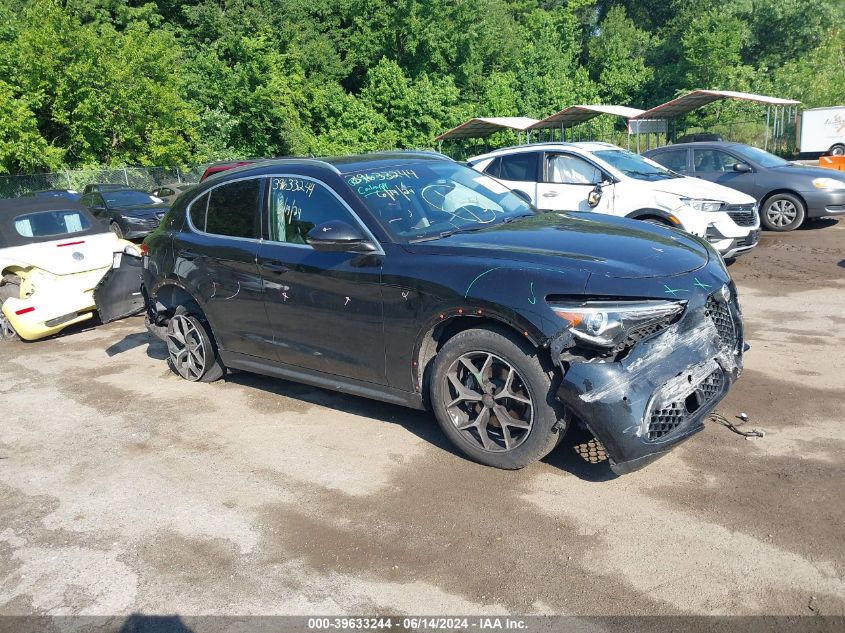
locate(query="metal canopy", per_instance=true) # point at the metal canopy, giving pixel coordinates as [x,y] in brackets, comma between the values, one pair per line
[697,98]
[482,127]
[573,115]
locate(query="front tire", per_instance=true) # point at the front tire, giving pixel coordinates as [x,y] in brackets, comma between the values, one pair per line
[192,353]
[493,399]
[783,212]
[837,150]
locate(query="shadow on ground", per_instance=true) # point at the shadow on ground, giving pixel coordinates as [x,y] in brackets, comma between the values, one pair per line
[578,453]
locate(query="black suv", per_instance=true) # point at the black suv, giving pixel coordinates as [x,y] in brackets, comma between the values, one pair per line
[409,278]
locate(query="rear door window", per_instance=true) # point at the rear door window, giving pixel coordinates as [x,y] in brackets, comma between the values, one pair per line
[234,209]
[674,159]
[522,167]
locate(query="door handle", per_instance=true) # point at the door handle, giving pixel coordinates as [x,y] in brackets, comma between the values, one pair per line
[550,194]
[189,255]
[274,266]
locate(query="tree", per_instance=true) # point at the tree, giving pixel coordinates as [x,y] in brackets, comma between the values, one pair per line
[618,58]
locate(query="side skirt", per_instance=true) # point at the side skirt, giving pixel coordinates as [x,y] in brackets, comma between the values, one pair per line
[320,379]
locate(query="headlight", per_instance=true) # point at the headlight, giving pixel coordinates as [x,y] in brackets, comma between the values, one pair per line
[828,183]
[703,205]
[610,324]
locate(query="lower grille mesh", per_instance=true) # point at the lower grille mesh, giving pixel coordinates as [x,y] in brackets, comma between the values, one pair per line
[672,415]
[664,421]
[721,316]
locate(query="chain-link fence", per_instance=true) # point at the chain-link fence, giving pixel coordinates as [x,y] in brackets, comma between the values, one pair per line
[145,178]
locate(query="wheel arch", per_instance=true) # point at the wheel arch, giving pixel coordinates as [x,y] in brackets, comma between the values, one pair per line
[168,296]
[776,192]
[442,327]
[650,212]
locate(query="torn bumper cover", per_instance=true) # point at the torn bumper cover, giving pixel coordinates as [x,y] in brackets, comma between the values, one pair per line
[661,392]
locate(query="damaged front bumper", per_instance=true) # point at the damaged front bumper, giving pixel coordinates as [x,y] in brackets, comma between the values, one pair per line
[661,392]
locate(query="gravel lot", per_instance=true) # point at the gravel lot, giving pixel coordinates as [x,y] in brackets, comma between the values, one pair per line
[125,489]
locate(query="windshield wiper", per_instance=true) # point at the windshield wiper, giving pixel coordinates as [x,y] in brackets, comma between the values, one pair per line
[513,218]
[648,174]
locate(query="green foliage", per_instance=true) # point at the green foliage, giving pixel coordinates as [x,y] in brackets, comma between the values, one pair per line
[618,57]
[159,82]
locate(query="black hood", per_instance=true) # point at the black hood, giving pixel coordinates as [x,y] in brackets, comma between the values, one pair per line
[600,245]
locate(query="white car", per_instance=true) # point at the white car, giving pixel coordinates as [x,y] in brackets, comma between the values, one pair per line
[54,257]
[604,178]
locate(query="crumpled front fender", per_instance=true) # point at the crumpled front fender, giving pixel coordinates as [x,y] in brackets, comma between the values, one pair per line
[657,396]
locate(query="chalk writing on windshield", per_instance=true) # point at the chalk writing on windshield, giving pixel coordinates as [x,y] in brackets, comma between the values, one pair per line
[385,190]
[292,184]
[381,176]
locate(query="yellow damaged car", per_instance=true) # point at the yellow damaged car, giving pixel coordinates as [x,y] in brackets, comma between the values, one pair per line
[53,259]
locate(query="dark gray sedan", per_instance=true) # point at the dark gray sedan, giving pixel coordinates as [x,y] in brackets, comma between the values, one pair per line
[788,193]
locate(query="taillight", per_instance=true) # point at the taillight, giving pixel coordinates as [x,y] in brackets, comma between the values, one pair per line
[25,310]
[143,249]
[70,243]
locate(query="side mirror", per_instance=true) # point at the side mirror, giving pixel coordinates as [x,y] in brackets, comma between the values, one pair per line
[742,168]
[594,197]
[338,237]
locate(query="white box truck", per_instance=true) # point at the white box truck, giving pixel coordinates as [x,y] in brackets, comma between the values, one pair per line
[822,132]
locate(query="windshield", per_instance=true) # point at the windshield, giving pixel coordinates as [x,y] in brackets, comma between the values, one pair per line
[759,156]
[429,200]
[634,165]
[128,196]
[51,223]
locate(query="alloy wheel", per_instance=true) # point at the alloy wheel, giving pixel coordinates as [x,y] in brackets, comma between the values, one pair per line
[185,345]
[488,402]
[782,212]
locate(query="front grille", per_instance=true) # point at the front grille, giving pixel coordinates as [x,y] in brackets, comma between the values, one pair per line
[719,312]
[672,415]
[148,223]
[743,214]
[638,334]
[711,386]
[665,420]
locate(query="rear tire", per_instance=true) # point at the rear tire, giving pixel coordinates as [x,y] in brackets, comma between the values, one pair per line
[783,212]
[114,227]
[837,150]
[507,383]
[10,286]
[7,332]
[192,352]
